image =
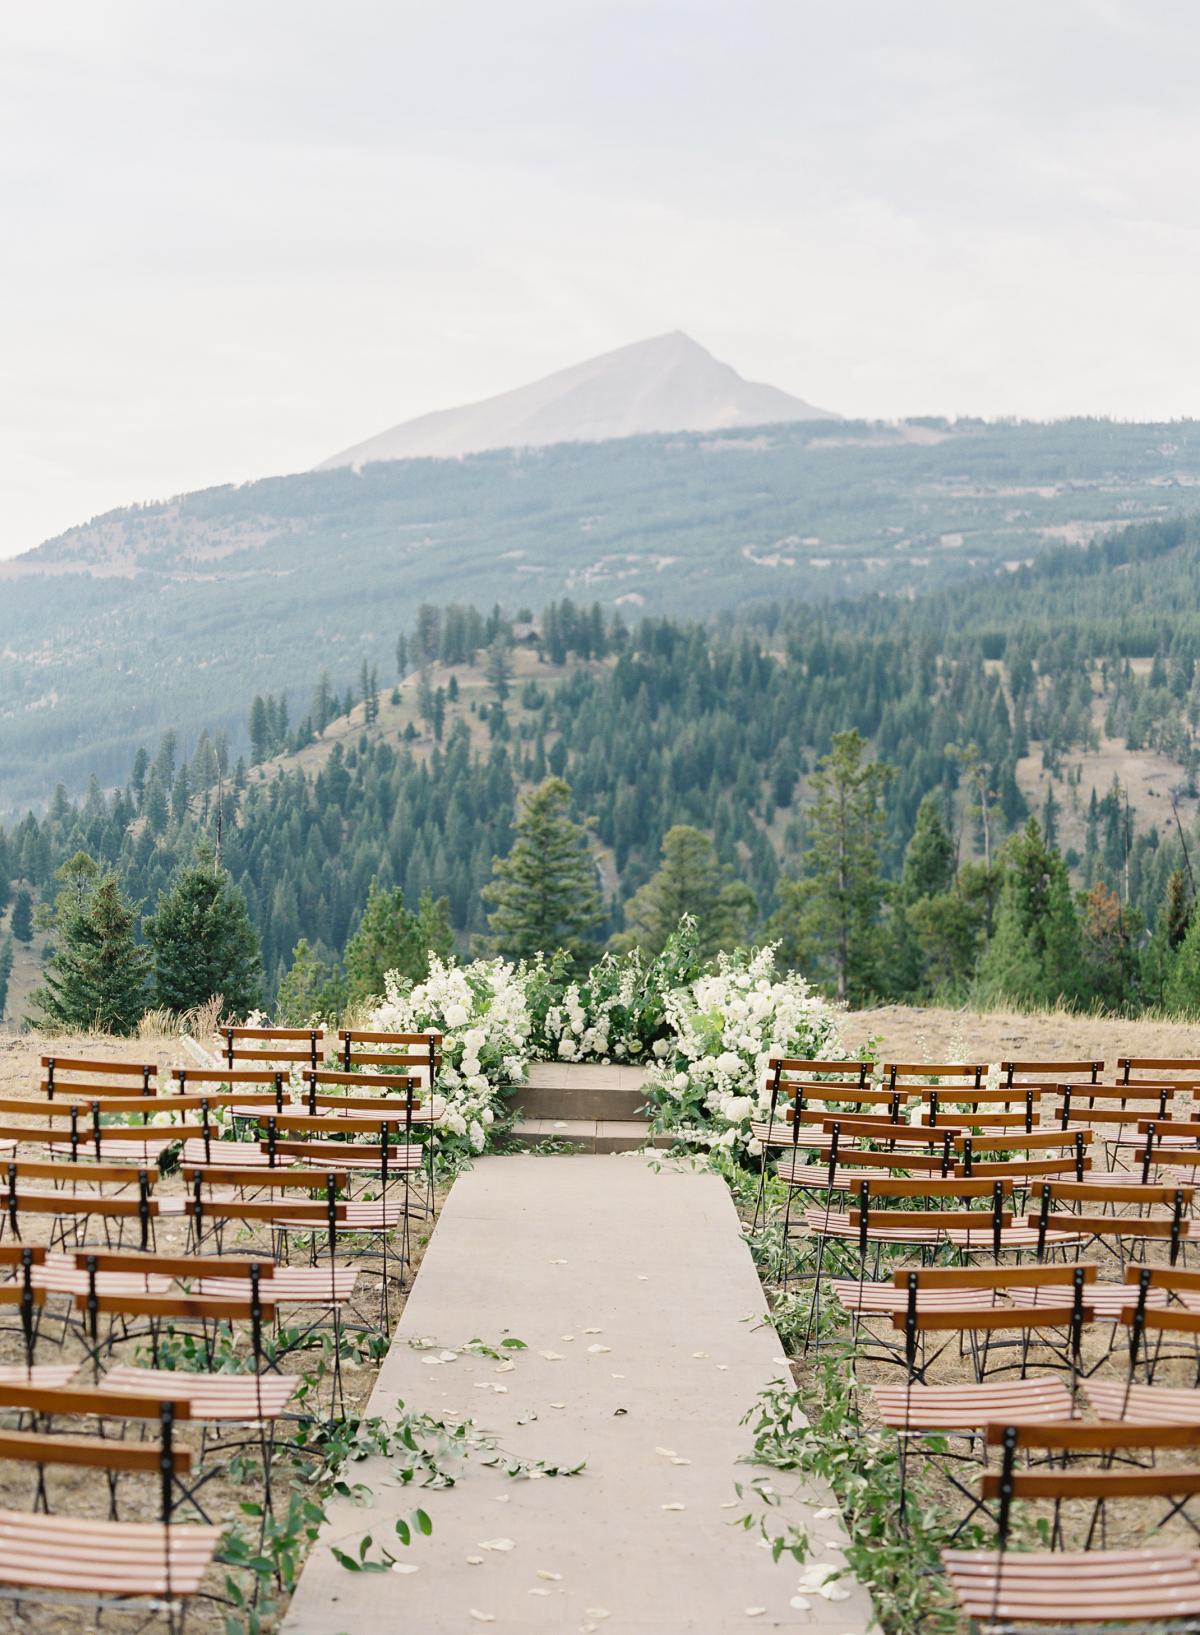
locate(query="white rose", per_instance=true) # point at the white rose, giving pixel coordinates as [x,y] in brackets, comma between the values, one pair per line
[475,1137]
[456,1016]
[680,1081]
[660,1048]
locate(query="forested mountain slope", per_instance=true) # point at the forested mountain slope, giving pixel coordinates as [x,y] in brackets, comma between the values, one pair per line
[673,722]
[169,615]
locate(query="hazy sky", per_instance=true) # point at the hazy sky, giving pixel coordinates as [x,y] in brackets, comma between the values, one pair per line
[237,237]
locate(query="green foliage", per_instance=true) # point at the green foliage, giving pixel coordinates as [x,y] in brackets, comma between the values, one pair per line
[828,920]
[1182,991]
[96,976]
[895,1549]
[545,895]
[391,938]
[21,922]
[203,942]
[1036,952]
[311,991]
[690,883]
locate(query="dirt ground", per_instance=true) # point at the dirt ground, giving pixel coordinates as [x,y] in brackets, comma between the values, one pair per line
[911,1033]
[85,1492]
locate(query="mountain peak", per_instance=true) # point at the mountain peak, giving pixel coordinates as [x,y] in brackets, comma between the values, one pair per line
[666,383]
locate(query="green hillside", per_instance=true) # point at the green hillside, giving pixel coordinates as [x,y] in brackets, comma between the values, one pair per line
[169,615]
[1079,690]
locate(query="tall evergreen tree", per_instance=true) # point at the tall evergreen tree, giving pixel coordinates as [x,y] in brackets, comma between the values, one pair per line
[544,894]
[689,880]
[6,965]
[391,938]
[21,924]
[1036,953]
[929,861]
[832,914]
[498,667]
[203,942]
[97,973]
[309,991]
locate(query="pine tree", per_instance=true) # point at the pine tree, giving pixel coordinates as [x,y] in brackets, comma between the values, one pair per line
[1036,951]
[929,860]
[391,938]
[204,944]
[21,924]
[97,973]
[309,991]
[690,880]
[544,893]
[498,666]
[833,913]
[1178,908]
[6,965]
[260,731]
[1182,991]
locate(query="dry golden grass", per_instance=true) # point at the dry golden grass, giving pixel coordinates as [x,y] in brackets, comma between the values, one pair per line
[918,1033]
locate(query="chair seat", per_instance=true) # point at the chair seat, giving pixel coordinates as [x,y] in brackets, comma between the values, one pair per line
[45,1376]
[970,1407]
[64,1553]
[1143,1404]
[884,1298]
[291,1285]
[1106,1300]
[223,1153]
[367,1215]
[60,1275]
[834,1223]
[227,1397]
[1075,1587]
[142,1149]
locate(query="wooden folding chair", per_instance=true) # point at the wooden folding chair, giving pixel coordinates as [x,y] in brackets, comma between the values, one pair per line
[416,1053]
[1069,1150]
[84,1079]
[156,1567]
[270,1047]
[800,1082]
[1123,1233]
[1001,1589]
[1116,1110]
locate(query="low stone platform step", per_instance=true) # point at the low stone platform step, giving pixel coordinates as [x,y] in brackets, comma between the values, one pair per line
[586,1090]
[587,1134]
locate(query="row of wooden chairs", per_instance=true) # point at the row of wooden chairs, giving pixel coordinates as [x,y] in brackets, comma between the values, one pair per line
[287,1137]
[1006,1239]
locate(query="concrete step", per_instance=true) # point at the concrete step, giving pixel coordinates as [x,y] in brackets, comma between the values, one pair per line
[586,1134]
[582,1090]
[575,1101]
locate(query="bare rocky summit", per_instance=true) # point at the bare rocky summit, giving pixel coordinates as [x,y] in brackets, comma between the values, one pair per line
[669,383]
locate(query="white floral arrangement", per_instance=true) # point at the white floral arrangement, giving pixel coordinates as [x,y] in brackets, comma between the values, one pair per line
[618,1011]
[482,1013]
[724,1030]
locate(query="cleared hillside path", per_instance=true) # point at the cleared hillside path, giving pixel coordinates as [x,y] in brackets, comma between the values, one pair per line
[638,1302]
